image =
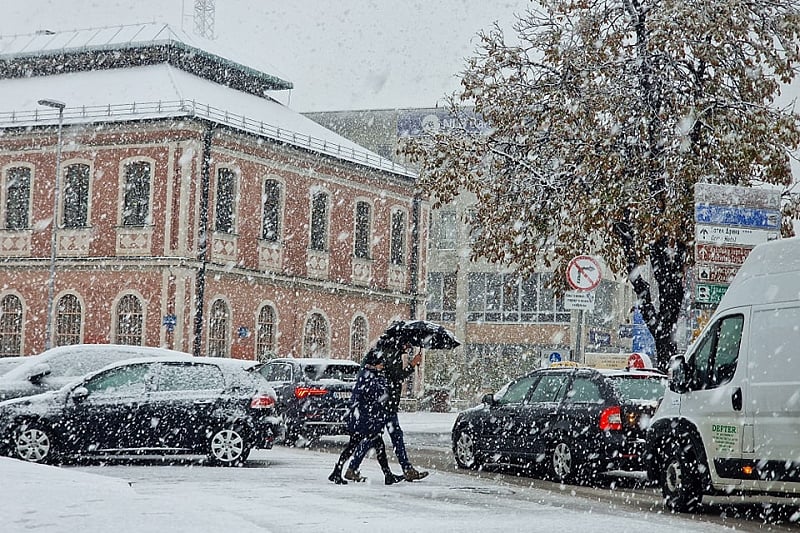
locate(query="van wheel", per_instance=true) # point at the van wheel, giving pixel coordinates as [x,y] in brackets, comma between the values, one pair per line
[680,482]
[228,447]
[562,461]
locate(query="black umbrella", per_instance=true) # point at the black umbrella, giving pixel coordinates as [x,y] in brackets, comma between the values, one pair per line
[422,334]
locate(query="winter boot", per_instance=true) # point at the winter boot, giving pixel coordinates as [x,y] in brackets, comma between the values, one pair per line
[412,474]
[336,477]
[354,475]
[391,478]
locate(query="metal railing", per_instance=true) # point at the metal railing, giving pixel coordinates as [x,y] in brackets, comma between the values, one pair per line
[192,108]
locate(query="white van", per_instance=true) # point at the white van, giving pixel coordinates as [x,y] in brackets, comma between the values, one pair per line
[730,419]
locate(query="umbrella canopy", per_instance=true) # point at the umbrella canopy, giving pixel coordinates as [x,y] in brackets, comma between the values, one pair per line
[422,334]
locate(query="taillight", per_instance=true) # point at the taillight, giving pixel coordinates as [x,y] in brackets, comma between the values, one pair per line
[262,401]
[611,419]
[305,392]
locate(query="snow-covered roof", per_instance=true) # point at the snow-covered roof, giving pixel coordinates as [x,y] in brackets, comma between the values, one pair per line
[154,90]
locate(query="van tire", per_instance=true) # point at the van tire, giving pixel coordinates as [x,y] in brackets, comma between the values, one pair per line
[681,483]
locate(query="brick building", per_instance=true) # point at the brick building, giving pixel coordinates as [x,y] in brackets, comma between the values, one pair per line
[192,210]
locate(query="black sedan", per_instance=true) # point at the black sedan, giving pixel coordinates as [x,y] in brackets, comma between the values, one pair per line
[573,423]
[313,395]
[183,405]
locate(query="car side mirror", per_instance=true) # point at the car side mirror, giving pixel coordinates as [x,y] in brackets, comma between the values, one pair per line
[79,394]
[38,372]
[678,373]
[489,400]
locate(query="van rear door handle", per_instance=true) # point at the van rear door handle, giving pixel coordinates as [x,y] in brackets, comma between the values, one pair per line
[736,399]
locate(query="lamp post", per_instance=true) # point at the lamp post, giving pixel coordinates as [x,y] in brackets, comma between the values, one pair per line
[55,104]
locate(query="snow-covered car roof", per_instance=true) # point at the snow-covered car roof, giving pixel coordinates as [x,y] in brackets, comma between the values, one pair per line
[305,361]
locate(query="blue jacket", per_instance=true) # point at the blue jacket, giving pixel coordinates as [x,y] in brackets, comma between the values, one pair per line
[368,411]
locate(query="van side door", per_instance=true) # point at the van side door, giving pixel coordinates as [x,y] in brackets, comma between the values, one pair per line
[714,399]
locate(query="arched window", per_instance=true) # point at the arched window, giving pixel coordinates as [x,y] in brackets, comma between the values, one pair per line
[362,232]
[69,317]
[271,225]
[218,329]
[265,335]
[130,321]
[315,337]
[18,198]
[358,339]
[10,326]
[319,221]
[76,196]
[136,200]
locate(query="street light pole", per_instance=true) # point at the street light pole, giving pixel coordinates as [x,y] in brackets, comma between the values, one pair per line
[55,104]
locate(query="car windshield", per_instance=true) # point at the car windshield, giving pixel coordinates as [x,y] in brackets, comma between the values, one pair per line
[332,371]
[650,388]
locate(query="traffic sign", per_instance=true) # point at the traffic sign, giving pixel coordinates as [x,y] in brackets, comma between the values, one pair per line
[579,300]
[733,235]
[713,273]
[583,273]
[712,193]
[732,255]
[710,293]
[737,216]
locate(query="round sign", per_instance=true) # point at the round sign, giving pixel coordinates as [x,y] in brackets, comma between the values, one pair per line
[555,357]
[583,273]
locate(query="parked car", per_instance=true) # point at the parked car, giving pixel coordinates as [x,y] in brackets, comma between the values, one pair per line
[575,423]
[54,368]
[170,404]
[9,363]
[313,395]
[729,422]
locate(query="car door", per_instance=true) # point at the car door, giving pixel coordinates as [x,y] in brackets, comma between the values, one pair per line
[536,415]
[580,411]
[183,403]
[714,399]
[501,424]
[108,414]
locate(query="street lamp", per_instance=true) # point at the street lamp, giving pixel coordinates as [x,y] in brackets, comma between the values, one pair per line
[55,104]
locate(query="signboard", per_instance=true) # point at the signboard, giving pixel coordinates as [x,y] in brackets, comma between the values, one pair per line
[737,216]
[583,273]
[713,273]
[606,360]
[709,293]
[579,300]
[732,255]
[599,338]
[710,193]
[169,322]
[733,235]
[625,331]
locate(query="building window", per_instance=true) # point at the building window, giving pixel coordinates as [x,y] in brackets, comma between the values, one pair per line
[441,296]
[136,200]
[130,321]
[271,225]
[494,297]
[10,326]
[218,329]
[448,230]
[18,198]
[315,336]
[319,221]
[76,196]
[69,317]
[226,198]
[397,252]
[358,339]
[265,337]
[362,234]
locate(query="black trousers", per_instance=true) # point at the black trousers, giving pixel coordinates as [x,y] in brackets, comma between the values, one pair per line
[355,439]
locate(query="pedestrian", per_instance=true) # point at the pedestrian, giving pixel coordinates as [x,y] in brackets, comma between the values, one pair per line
[365,422]
[391,352]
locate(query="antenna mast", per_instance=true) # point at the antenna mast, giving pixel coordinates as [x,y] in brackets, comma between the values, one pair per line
[204,12]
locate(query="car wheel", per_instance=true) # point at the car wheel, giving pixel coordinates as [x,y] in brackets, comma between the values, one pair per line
[562,461]
[680,482]
[228,447]
[465,449]
[34,442]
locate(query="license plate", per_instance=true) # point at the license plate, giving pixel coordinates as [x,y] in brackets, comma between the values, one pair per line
[342,395]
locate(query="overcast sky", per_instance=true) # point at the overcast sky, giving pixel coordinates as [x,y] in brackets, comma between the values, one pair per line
[340,54]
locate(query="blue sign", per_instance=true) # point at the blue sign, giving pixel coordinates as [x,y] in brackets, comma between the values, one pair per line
[244,332]
[419,122]
[643,341]
[169,322]
[737,216]
[555,357]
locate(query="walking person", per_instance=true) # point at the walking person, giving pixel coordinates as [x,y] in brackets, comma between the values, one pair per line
[391,352]
[366,420]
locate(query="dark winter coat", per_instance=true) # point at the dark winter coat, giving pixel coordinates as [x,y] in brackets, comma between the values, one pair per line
[391,355]
[368,412]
